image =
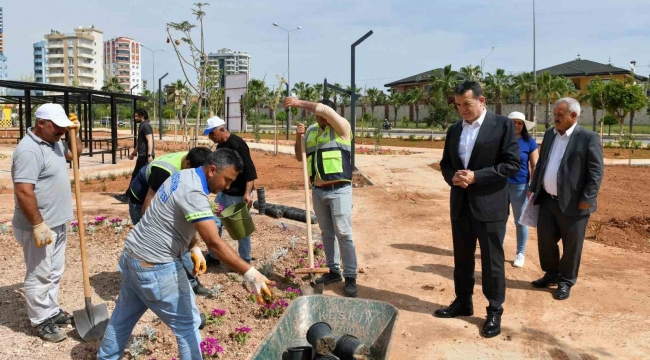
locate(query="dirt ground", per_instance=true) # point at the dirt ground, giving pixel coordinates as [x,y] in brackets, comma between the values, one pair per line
[405,257]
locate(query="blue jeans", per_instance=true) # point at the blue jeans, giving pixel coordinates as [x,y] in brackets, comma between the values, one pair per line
[162,290]
[518,200]
[333,209]
[135,212]
[244,244]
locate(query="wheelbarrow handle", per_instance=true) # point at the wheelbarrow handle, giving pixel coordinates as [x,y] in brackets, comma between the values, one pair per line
[82,226]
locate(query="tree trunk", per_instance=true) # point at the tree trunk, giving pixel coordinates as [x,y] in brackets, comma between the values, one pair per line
[594,111]
[395,117]
[631,120]
[547,122]
[417,116]
[372,118]
[620,127]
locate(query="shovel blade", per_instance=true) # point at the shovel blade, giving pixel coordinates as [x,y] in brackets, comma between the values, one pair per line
[91,321]
[312,288]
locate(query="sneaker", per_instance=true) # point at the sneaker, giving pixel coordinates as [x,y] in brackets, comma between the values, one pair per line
[62,318]
[210,261]
[201,290]
[519,260]
[329,278]
[48,331]
[350,287]
[121,198]
[203,321]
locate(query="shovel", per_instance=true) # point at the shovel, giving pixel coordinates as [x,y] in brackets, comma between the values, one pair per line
[312,288]
[90,321]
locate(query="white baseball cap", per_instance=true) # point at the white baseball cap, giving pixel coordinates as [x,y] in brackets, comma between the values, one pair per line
[212,123]
[54,113]
[520,116]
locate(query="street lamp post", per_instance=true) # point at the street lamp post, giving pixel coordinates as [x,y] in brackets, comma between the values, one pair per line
[135,86]
[133,110]
[486,56]
[288,76]
[534,77]
[153,75]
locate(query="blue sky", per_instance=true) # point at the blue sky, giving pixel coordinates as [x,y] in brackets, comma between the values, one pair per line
[409,36]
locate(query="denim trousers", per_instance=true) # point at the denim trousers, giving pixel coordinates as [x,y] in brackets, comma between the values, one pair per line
[333,209]
[135,212]
[163,289]
[244,244]
[45,267]
[518,200]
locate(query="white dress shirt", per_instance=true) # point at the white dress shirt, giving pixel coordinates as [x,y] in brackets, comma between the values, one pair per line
[555,159]
[468,138]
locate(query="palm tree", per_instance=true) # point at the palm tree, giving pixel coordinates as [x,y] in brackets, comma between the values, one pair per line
[499,84]
[443,82]
[255,93]
[299,89]
[373,96]
[415,96]
[318,88]
[112,85]
[551,88]
[397,100]
[472,72]
[524,84]
[594,98]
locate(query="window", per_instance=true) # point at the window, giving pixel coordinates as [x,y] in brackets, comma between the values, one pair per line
[70,61]
[71,70]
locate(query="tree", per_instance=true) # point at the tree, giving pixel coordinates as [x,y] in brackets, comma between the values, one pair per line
[416,96]
[621,97]
[499,84]
[441,113]
[443,82]
[472,72]
[397,100]
[551,88]
[199,59]
[373,96]
[299,89]
[215,93]
[256,92]
[608,120]
[594,97]
[112,85]
[524,84]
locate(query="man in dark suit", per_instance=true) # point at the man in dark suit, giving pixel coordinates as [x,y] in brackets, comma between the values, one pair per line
[566,183]
[481,152]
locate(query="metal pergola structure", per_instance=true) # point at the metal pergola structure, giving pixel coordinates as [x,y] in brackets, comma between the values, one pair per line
[71,97]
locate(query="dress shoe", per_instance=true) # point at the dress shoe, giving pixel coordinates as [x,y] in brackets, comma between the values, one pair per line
[456,308]
[545,281]
[492,326]
[563,291]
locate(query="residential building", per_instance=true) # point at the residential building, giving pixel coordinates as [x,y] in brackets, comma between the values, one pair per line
[3,73]
[76,59]
[122,60]
[421,80]
[581,72]
[230,62]
[40,63]
[2,39]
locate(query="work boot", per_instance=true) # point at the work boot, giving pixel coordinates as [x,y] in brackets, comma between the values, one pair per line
[48,331]
[210,261]
[203,321]
[201,290]
[350,287]
[122,198]
[62,318]
[329,278]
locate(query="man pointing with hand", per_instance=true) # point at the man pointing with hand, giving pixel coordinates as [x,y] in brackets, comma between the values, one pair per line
[43,207]
[153,276]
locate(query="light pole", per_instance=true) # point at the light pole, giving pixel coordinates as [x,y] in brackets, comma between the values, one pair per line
[135,86]
[153,75]
[288,76]
[133,110]
[534,78]
[483,60]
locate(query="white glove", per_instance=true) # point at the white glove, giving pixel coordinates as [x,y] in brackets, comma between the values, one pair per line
[199,261]
[43,235]
[258,283]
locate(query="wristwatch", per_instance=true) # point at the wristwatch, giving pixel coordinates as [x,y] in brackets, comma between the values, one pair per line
[149,155]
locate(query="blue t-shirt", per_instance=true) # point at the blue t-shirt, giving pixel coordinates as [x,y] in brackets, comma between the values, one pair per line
[525,148]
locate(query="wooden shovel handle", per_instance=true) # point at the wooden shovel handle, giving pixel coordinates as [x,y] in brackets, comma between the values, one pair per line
[80,217]
[305,177]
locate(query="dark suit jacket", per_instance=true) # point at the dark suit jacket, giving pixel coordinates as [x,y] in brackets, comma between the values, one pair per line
[580,173]
[495,157]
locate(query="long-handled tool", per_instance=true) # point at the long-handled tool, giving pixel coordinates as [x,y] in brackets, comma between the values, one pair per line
[312,288]
[90,321]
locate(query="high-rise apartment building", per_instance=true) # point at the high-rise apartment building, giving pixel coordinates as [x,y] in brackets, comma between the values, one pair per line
[76,59]
[2,35]
[122,60]
[230,62]
[40,63]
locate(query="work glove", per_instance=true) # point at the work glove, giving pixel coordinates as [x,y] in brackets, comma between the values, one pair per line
[75,122]
[42,235]
[259,284]
[199,261]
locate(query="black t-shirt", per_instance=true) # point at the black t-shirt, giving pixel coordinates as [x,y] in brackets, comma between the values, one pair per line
[238,187]
[157,178]
[144,130]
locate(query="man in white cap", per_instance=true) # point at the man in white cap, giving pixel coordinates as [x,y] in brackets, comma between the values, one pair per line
[43,207]
[241,190]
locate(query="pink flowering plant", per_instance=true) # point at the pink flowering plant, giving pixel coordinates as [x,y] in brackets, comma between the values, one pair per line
[216,208]
[321,263]
[215,317]
[319,249]
[100,220]
[74,226]
[241,335]
[210,348]
[274,309]
[289,275]
[301,263]
[292,293]
[115,222]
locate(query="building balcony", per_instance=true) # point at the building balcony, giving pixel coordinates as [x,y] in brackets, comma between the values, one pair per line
[85,55]
[57,75]
[56,65]
[85,46]
[84,74]
[85,65]
[55,56]
[52,45]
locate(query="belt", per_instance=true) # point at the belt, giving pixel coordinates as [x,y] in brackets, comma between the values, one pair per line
[333,186]
[553,197]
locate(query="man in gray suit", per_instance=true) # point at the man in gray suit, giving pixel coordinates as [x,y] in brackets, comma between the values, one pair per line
[566,183]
